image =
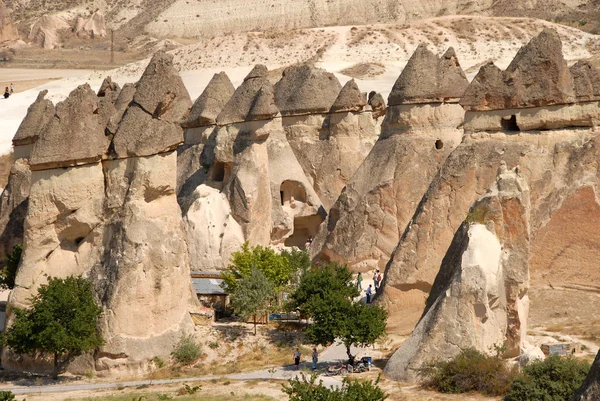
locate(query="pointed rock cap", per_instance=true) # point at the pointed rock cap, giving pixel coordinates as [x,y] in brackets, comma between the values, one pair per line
[258,71]
[349,99]
[428,78]
[38,115]
[238,107]
[211,102]
[121,104]
[108,86]
[488,90]
[537,76]
[74,136]
[586,80]
[263,107]
[377,104]
[160,90]
[305,89]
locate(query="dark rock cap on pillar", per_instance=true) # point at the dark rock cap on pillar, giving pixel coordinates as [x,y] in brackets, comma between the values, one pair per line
[305,89]
[211,102]
[428,78]
[75,135]
[349,99]
[38,115]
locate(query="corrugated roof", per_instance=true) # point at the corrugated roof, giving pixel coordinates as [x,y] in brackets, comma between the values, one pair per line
[208,286]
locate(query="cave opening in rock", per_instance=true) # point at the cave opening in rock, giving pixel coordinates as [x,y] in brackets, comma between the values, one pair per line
[510,124]
[304,227]
[439,144]
[292,192]
[218,172]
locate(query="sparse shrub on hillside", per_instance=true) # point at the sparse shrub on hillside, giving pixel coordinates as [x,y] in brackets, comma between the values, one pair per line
[187,350]
[7,396]
[553,379]
[470,371]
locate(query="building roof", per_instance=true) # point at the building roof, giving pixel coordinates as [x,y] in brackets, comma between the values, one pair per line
[208,286]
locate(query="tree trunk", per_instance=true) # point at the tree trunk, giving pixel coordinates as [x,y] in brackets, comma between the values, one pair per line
[55,367]
[254,324]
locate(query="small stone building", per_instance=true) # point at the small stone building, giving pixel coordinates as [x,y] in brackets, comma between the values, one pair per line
[207,286]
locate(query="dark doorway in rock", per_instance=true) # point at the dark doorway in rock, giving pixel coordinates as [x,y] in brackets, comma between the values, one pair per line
[291,192]
[281,197]
[439,144]
[218,172]
[509,124]
[304,227]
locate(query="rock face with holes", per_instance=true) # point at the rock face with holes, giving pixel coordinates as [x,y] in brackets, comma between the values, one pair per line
[418,133]
[560,165]
[112,218]
[590,390]
[479,297]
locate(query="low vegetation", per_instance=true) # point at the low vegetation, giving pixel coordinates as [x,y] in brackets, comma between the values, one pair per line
[307,389]
[470,371]
[553,379]
[7,396]
[187,350]
[9,272]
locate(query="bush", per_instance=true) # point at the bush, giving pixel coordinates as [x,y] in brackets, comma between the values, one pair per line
[470,371]
[187,350]
[553,379]
[7,396]
[306,389]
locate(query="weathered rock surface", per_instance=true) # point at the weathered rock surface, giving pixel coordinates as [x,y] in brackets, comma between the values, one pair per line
[108,86]
[263,107]
[121,103]
[239,105]
[537,76]
[590,390]
[305,89]
[45,31]
[77,121]
[92,27]
[586,80]
[8,31]
[211,102]
[38,115]
[349,99]
[13,207]
[428,78]
[377,103]
[479,298]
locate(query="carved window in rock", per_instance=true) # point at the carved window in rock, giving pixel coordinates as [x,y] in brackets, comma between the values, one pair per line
[509,124]
[292,192]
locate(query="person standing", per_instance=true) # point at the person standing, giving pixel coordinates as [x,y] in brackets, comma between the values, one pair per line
[359,281]
[6,93]
[369,292]
[315,359]
[297,358]
[12,89]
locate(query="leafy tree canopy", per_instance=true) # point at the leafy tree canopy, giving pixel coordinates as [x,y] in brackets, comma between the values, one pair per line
[306,389]
[252,295]
[61,322]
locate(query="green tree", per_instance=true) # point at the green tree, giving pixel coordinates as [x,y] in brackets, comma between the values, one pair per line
[326,294]
[307,389]
[553,379]
[275,267]
[299,260]
[7,277]
[252,295]
[61,322]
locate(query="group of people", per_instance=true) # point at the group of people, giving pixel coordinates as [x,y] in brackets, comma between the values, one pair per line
[370,291]
[298,355]
[9,91]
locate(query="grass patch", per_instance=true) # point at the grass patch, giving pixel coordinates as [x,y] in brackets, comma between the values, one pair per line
[159,396]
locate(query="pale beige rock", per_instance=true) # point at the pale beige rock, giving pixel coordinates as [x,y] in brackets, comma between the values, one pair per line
[8,32]
[92,27]
[45,31]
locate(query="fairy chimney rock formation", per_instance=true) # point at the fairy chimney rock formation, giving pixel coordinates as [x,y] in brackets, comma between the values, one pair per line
[590,389]
[239,105]
[586,80]
[350,99]
[211,102]
[305,89]
[77,120]
[479,299]
[428,78]
[263,107]
[150,124]
[537,76]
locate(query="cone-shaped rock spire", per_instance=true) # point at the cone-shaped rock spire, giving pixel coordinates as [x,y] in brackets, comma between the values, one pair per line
[238,107]
[211,102]
[428,78]
[305,89]
[263,107]
[38,115]
[349,99]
